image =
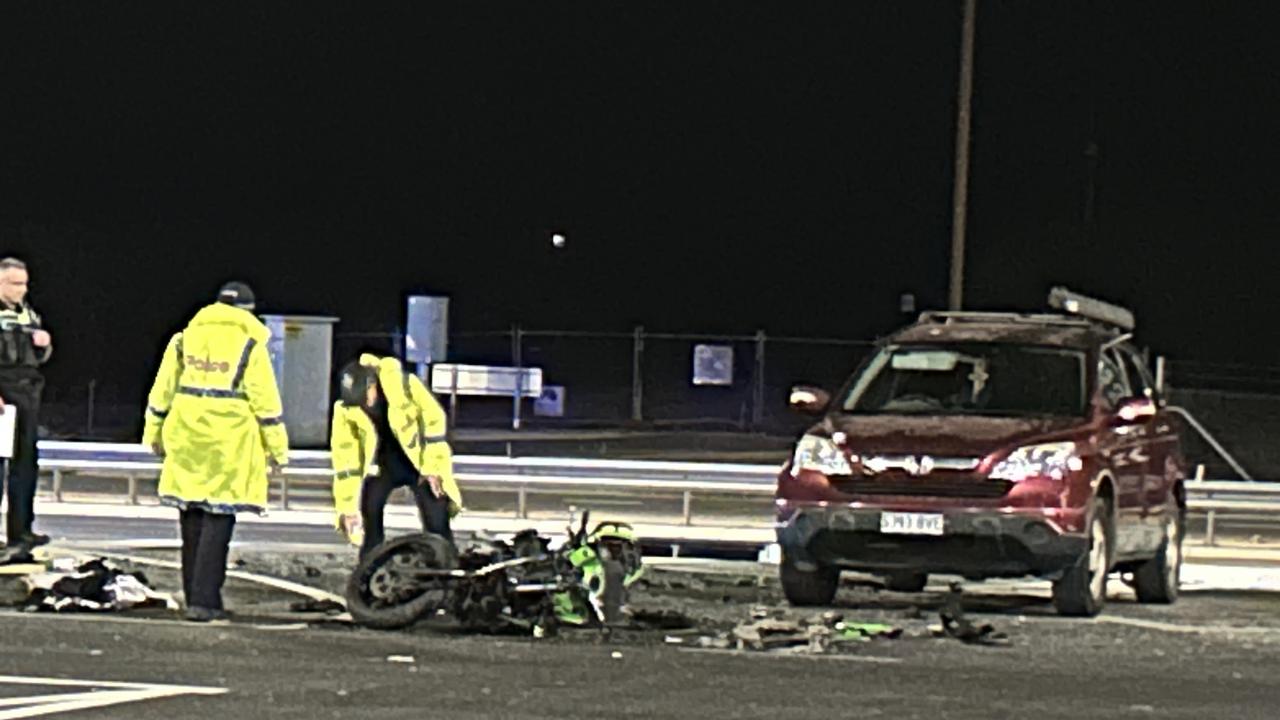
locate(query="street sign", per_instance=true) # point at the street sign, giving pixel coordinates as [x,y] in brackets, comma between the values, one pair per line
[712,364]
[551,402]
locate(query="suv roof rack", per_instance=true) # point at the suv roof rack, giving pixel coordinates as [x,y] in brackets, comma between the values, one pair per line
[962,316]
[1102,312]
[1077,311]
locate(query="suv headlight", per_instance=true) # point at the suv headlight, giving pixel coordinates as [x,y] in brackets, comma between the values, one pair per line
[1052,460]
[820,454]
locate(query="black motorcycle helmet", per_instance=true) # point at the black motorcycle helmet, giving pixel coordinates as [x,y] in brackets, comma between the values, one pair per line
[353,383]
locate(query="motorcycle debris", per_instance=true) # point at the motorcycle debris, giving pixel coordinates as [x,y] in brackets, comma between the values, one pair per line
[311,605]
[400,659]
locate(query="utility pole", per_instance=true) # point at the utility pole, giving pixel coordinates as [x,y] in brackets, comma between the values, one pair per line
[961,197]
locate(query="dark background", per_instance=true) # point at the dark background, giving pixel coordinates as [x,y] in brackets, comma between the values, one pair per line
[716,166]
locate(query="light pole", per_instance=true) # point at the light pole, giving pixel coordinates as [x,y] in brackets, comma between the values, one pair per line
[961,196]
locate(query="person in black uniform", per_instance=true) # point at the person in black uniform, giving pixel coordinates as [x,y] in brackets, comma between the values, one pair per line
[24,346]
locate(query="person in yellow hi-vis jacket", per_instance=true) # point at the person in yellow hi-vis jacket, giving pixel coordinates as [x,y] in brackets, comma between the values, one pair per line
[214,414]
[388,432]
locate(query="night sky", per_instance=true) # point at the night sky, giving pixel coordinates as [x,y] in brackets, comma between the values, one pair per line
[715,166]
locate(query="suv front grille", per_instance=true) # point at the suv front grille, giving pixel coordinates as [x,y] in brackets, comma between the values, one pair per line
[947,485]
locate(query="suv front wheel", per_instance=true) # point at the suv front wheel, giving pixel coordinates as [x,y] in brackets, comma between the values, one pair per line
[805,588]
[1157,580]
[1082,589]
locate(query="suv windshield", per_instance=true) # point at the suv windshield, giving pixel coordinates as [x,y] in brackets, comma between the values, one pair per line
[970,379]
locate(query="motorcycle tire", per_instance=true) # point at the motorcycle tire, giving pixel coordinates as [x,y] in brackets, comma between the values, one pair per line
[432,551]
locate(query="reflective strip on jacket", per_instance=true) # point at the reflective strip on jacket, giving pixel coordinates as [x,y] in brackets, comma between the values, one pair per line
[416,418]
[17,323]
[216,410]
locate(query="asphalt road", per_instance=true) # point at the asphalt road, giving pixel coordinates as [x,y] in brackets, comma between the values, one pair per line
[1054,669]
[1213,654]
[108,531]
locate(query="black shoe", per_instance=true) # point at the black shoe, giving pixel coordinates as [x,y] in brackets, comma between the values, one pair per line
[196,613]
[32,540]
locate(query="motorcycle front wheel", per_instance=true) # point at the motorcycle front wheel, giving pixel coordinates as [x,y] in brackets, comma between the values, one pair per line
[390,589]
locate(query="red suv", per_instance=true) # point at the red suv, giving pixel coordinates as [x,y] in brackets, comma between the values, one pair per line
[990,445]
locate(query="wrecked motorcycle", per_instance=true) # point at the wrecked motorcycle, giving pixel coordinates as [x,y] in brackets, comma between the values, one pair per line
[495,584]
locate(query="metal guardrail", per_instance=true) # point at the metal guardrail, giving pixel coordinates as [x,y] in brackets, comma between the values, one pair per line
[309,474]
[1233,498]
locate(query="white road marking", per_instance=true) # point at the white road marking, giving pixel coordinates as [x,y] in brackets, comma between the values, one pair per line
[279,584]
[100,694]
[62,618]
[1186,629]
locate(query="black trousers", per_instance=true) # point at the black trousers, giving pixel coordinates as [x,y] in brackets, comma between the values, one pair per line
[434,511]
[22,392]
[206,539]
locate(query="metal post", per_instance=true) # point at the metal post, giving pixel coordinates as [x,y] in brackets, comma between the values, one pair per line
[522,503]
[284,491]
[516,342]
[637,378]
[89,421]
[757,398]
[961,197]
[57,484]
[453,398]
[133,488]
[1211,516]
[687,513]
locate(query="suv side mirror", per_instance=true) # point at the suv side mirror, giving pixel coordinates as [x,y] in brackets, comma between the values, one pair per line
[1135,411]
[809,400]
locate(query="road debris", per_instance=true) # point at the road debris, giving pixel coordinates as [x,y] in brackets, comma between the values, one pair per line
[642,619]
[312,605]
[97,585]
[769,630]
[407,659]
[956,625]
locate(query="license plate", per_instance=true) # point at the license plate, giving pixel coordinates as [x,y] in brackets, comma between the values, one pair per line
[911,523]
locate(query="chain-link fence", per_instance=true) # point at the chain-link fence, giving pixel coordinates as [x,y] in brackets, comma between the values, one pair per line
[654,379]
[92,411]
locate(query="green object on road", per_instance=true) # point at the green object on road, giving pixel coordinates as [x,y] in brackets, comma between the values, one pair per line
[863,632]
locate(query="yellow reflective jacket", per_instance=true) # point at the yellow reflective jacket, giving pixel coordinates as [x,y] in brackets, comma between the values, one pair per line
[416,418]
[215,409]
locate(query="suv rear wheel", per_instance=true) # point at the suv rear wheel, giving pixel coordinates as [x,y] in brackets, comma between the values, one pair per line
[804,588]
[1082,590]
[1157,580]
